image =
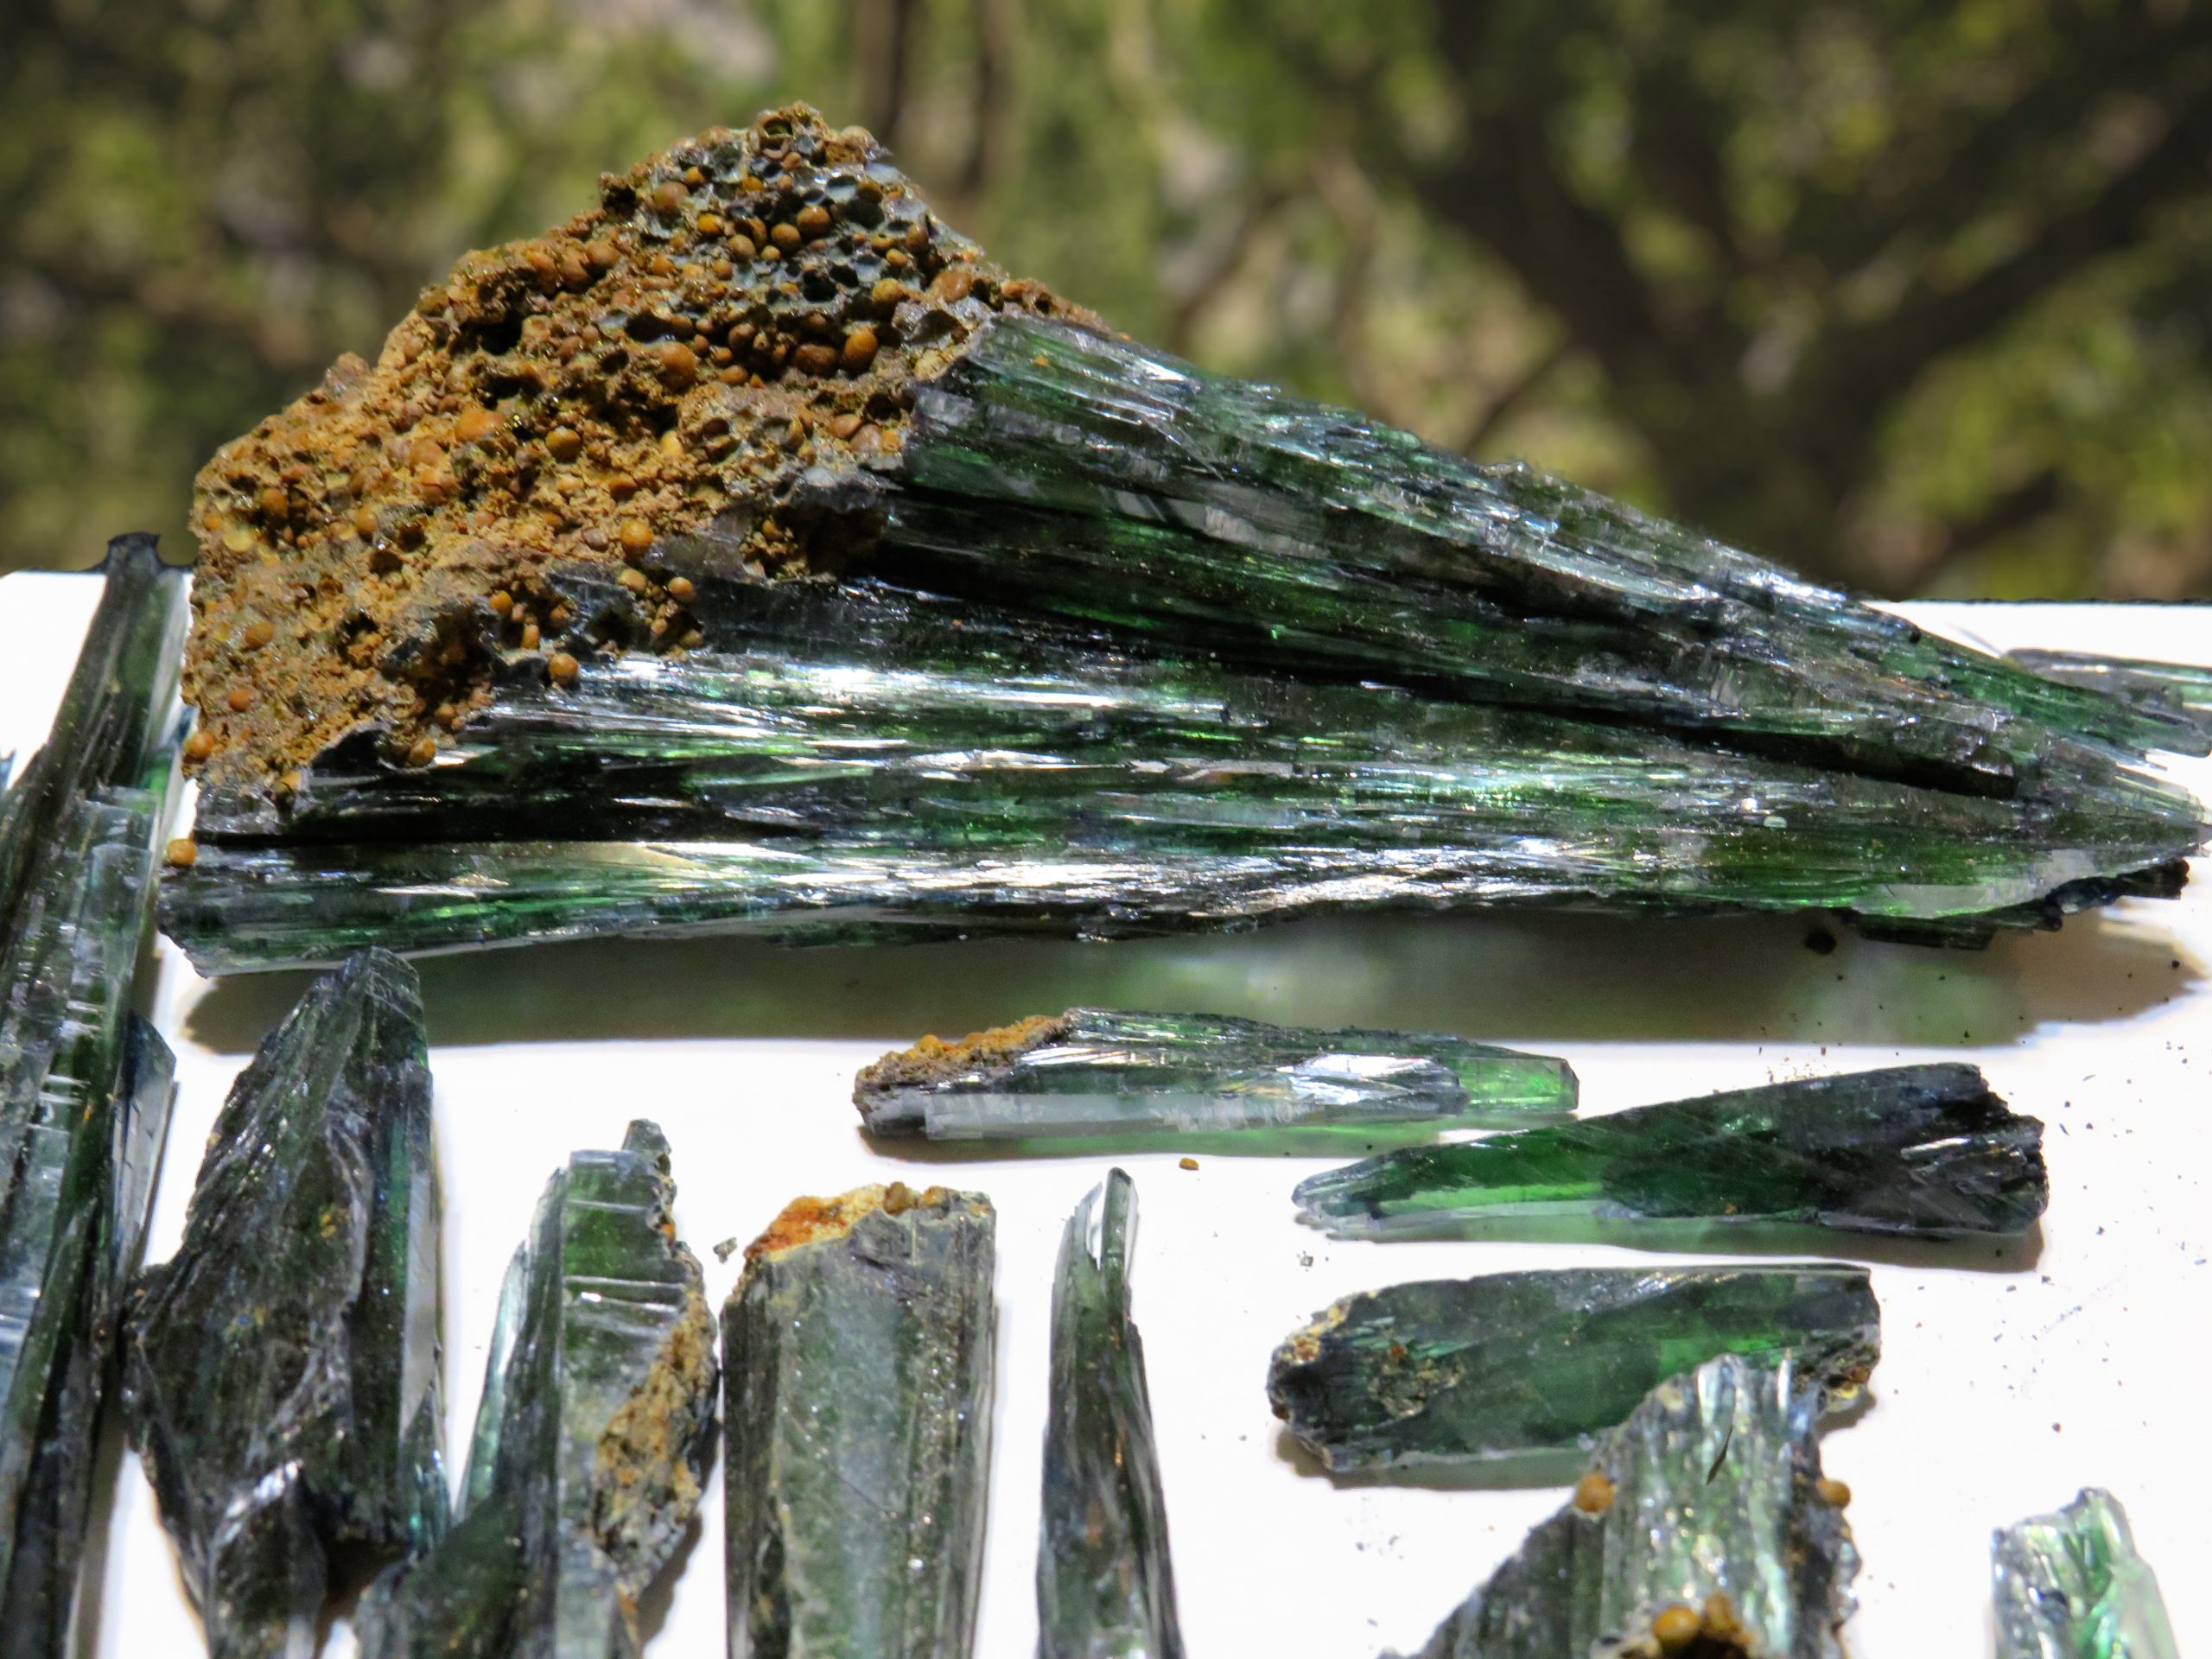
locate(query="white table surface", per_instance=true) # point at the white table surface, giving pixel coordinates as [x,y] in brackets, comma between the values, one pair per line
[2011,1375]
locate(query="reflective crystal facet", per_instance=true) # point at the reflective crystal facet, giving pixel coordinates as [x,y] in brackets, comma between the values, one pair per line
[2070,1585]
[1921,1149]
[1096,1070]
[1455,1372]
[85,1086]
[857,1374]
[281,1369]
[1105,1582]
[592,1438]
[1712,1488]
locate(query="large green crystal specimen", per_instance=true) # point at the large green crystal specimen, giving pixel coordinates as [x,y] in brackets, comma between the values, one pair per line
[1708,1510]
[84,1087]
[1105,1582]
[1098,1070]
[281,1369]
[1093,642]
[1455,1372]
[2070,1585]
[591,1441]
[1921,1149]
[856,1353]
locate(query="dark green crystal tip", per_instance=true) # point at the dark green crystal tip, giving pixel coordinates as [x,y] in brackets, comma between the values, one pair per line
[1928,1150]
[1458,1372]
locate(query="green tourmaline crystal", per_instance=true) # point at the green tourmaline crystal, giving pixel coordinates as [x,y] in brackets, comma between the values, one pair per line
[1921,1150]
[1103,644]
[1455,1372]
[1105,1582]
[856,1354]
[592,1438]
[1711,1490]
[281,1369]
[2070,1585]
[1098,1070]
[84,1087]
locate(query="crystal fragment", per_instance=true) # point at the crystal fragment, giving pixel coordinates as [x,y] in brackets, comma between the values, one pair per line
[1095,1071]
[1713,1506]
[857,1388]
[1456,1372]
[989,620]
[2169,690]
[2070,1585]
[1105,1581]
[85,1086]
[281,1369]
[592,1438]
[1920,1149]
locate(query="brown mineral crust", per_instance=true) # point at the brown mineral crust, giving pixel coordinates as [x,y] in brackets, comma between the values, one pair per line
[740,308]
[641,1472]
[934,1060]
[810,1221]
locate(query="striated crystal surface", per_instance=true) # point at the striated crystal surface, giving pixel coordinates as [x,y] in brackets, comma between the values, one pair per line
[592,1438]
[985,619]
[1095,1071]
[281,1369]
[856,1353]
[1920,1149]
[1105,1581]
[1455,1372]
[2070,1585]
[84,1087]
[1711,1489]
[2167,690]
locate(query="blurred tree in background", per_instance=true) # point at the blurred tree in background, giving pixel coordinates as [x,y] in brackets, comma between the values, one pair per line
[1911,293]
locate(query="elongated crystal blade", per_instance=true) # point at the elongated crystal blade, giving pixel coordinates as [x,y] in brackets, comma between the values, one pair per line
[1097,1071]
[281,1369]
[857,1373]
[1105,1581]
[924,603]
[2169,690]
[1706,1529]
[85,1088]
[2071,1585]
[1920,1149]
[592,1438]
[1457,1372]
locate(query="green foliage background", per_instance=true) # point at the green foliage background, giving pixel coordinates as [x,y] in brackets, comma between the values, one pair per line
[1911,294]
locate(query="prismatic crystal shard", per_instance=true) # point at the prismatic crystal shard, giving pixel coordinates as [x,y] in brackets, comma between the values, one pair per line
[1105,1582]
[592,1438]
[281,1369]
[1704,1528]
[2070,1585]
[1920,1149]
[753,553]
[85,1086]
[1097,1071]
[1456,1372]
[856,1354]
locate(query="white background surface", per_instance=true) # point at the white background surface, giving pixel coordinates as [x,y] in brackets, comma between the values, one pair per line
[2011,1375]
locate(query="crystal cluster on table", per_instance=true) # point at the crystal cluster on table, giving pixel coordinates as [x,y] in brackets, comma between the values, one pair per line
[84,1083]
[1103,1072]
[281,1370]
[592,1437]
[937,608]
[857,1354]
